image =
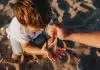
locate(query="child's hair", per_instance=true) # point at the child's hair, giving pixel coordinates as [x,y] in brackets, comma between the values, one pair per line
[30,8]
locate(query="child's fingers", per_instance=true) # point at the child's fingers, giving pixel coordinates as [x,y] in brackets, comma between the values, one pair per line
[61,51]
[50,57]
[60,19]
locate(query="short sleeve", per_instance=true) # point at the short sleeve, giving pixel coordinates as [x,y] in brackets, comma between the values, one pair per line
[17,31]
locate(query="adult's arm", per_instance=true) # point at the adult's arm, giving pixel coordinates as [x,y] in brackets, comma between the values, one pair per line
[91,39]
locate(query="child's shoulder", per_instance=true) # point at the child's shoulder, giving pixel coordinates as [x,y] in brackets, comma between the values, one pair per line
[15,23]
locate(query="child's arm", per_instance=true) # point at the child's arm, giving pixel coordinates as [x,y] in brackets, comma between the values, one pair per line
[34,50]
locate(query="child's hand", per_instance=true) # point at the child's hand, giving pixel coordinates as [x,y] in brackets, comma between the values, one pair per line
[60,33]
[51,31]
[56,32]
[60,52]
[49,55]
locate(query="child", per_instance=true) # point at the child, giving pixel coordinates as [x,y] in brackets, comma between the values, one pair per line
[26,30]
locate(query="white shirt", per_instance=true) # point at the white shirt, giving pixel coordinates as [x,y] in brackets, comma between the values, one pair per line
[18,32]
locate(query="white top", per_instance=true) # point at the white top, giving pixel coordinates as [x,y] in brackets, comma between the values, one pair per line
[18,32]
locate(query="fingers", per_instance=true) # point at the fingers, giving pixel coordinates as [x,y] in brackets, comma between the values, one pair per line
[61,49]
[52,42]
[60,52]
[50,57]
[60,19]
